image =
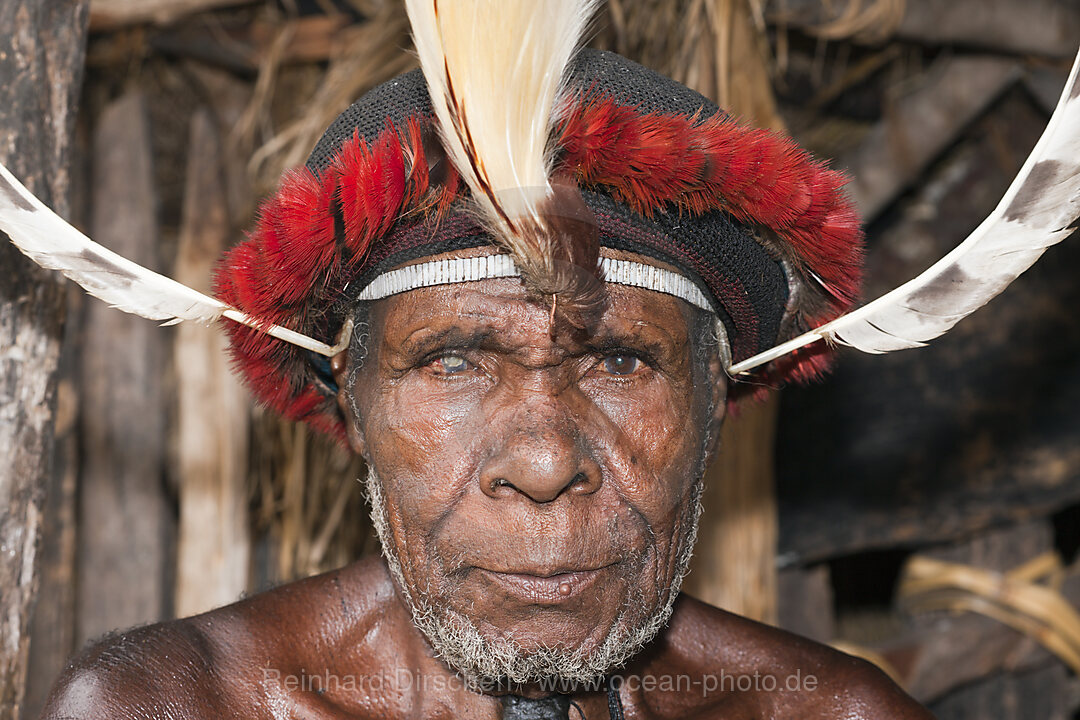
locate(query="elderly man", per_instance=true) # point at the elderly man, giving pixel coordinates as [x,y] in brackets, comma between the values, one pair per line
[536,380]
[537,498]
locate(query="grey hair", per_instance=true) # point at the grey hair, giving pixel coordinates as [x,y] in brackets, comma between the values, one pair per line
[358,352]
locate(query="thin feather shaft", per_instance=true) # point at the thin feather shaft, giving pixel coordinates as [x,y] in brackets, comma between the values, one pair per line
[54,244]
[1037,211]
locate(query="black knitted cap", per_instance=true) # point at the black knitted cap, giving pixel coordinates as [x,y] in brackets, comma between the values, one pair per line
[746,285]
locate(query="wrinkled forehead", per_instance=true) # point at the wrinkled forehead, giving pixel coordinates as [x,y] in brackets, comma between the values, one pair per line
[500,312]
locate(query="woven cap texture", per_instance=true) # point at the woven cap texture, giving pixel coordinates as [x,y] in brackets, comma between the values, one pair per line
[598,70]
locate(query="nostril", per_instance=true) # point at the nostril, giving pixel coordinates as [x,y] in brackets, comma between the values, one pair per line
[498,484]
[585,482]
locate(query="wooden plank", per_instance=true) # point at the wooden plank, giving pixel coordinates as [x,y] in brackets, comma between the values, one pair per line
[41,57]
[923,124]
[111,14]
[805,602]
[213,546]
[124,518]
[229,98]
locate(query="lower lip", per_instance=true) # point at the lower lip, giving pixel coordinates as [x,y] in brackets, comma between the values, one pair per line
[551,590]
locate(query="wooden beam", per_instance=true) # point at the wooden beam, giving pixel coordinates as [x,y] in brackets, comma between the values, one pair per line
[125,524]
[41,60]
[735,564]
[52,628]
[243,47]
[213,546]
[1048,28]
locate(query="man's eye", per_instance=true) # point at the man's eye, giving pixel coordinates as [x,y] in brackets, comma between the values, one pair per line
[621,364]
[449,364]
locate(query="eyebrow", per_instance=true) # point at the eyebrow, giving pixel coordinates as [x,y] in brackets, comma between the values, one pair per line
[657,349]
[473,330]
[419,342]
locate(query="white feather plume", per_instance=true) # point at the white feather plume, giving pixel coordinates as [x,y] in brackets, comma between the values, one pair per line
[494,70]
[51,242]
[1037,211]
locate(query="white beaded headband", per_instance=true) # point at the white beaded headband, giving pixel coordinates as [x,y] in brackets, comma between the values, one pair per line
[458,270]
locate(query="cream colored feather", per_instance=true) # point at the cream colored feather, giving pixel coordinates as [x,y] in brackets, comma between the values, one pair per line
[494,70]
[51,242]
[1038,210]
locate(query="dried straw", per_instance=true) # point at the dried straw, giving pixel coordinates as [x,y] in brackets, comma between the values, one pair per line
[858,20]
[872,656]
[307,500]
[370,53]
[717,47]
[304,487]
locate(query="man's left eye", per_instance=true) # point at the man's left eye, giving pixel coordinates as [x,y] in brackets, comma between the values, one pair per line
[621,364]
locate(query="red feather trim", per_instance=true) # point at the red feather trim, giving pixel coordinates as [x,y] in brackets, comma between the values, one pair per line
[653,160]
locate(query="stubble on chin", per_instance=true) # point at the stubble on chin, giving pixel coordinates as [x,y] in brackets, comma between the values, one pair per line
[485,662]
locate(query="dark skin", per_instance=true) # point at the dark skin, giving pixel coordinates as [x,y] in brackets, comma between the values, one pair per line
[534,481]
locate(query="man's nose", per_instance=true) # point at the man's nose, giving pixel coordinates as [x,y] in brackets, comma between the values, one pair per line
[541,457]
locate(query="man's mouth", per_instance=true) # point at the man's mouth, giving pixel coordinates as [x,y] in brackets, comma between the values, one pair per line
[546,587]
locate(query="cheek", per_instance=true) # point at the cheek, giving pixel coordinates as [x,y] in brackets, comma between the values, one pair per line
[418,441]
[410,430]
[653,435]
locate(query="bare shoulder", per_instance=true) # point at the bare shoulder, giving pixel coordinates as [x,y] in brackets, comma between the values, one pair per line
[773,673]
[213,665]
[158,671]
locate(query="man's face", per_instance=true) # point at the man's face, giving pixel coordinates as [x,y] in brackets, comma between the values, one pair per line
[539,489]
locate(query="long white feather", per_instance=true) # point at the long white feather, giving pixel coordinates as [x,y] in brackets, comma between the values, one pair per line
[494,70]
[51,242]
[1036,212]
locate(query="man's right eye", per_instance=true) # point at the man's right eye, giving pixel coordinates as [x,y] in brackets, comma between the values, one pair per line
[449,364]
[622,364]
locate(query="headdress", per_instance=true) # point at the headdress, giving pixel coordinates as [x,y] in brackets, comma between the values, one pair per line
[511,138]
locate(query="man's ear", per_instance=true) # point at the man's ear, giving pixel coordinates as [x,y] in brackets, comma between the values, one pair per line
[719,403]
[353,432]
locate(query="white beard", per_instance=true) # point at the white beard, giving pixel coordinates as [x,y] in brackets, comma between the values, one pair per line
[485,662]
